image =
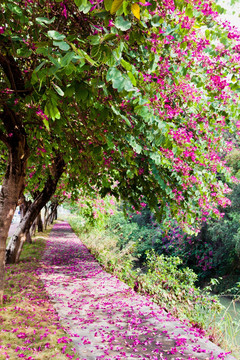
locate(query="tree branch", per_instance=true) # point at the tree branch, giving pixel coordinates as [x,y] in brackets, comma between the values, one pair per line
[13,73]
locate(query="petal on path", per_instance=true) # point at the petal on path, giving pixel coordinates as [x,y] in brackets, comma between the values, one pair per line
[105,318]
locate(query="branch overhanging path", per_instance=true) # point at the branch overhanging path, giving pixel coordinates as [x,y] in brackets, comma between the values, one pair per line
[104,317]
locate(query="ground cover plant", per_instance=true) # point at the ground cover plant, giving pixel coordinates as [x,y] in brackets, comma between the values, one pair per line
[29,325]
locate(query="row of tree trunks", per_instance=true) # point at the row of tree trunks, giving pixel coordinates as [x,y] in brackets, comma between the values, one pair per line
[52,213]
[15,244]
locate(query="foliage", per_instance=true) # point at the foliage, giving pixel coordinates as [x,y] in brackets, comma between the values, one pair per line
[214,252]
[127,230]
[173,287]
[28,322]
[95,210]
[132,96]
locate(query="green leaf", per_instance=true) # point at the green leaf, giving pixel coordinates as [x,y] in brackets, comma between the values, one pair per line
[126,65]
[67,58]
[85,7]
[130,174]
[207,34]
[46,123]
[118,51]
[122,24]
[94,39]
[40,66]
[224,40]
[15,9]
[109,37]
[86,56]
[51,110]
[80,2]
[24,52]
[70,90]
[235,87]
[54,61]
[62,45]
[81,92]
[156,20]
[108,4]
[189,12]
[44,20]
[96,51]
[183,45]
[55,35]
[70,69]
[116,5]
[58,90]
[132,78]
[113,73]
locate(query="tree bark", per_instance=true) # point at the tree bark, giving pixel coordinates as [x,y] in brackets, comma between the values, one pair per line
[53,214]
[46,213]
[24,205]
[12,188]
[28,237]
[15,245]
[39,222]
[15,139]
[56,213]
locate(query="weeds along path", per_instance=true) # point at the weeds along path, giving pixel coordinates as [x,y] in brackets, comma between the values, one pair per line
[104,317]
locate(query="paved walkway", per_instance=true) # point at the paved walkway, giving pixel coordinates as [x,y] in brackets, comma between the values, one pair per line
[104,317]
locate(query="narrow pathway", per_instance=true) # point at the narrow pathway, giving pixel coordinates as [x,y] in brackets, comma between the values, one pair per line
[105,318]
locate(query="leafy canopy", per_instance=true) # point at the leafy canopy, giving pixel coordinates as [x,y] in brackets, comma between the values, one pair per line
[135,96]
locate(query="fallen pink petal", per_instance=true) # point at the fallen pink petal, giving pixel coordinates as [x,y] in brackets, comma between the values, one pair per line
[104,318]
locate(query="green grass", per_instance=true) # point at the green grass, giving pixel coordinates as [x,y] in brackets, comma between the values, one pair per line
[29,325]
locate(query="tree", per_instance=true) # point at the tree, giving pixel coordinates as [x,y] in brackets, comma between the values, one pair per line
[135,94]
[16,243]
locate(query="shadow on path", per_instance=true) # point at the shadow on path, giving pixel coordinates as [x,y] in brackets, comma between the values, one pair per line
[105,318]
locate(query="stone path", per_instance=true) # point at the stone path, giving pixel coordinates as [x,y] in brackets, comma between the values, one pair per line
[105,318]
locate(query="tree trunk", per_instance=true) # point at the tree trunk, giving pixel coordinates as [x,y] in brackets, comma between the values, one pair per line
[28,237]
[45,216]
[12,188]
[10,192]
[49,219]
[24,205]
[33,228]
[56,213]
[15,245]
[15,139]
[39,222]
